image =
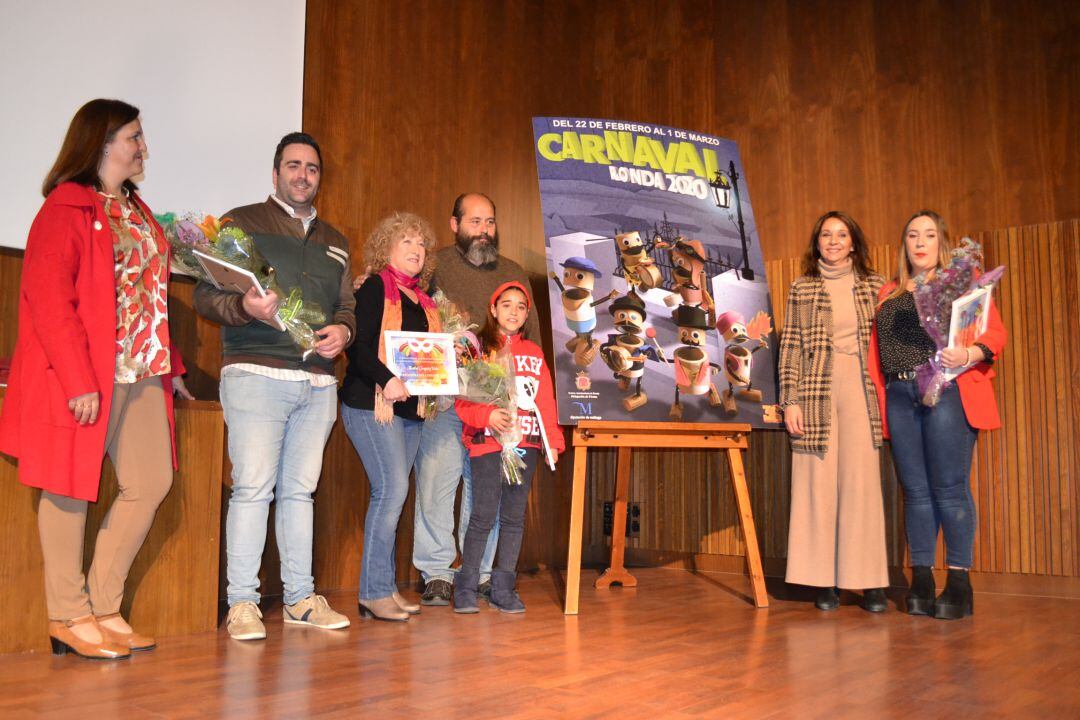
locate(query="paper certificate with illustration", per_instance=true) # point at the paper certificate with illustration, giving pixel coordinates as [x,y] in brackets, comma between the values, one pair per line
[425,362]
[970,314]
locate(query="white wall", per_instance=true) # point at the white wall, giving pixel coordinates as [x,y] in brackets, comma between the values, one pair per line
[218,83]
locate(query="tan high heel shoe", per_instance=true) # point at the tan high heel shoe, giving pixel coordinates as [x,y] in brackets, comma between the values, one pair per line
[411,608]
[63,641]
[132,640]
[383,609]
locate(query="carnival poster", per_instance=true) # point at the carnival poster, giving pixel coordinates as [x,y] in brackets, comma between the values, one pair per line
[659,303]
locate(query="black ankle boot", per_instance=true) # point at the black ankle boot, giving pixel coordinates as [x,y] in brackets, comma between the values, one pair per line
[465,591]
[874,601]
[956,600]
[503,596]
[920,598]
[827,599]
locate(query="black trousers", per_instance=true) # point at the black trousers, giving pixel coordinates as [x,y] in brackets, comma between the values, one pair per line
[493,497]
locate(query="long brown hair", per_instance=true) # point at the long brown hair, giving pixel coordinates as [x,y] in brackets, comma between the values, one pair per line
[903,265]
[93,127]
[490,335]
[860,258]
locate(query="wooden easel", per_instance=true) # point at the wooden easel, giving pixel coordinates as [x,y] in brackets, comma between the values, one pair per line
[625,436]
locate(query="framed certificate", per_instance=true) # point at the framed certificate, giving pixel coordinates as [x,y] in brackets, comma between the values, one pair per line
[425,362]
[970,314]
[226,276]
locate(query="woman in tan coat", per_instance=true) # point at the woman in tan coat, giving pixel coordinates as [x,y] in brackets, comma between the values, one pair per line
[837,531]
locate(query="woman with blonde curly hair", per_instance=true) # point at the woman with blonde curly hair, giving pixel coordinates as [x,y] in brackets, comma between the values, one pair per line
[382,419]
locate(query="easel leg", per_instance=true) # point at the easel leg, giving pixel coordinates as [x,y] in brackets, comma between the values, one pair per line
[577,512]
[617,572]
[746,517]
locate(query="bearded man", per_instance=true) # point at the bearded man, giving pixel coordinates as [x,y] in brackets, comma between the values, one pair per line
[467,272]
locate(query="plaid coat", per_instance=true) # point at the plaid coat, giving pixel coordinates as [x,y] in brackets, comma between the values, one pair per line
[806,356]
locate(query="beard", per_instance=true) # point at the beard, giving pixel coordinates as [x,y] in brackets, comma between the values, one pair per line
[476,251]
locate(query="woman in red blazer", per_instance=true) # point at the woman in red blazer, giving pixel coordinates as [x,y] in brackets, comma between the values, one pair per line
[932,446]
[91,374]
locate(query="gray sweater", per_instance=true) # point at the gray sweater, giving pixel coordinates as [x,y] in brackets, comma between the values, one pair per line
[470,287]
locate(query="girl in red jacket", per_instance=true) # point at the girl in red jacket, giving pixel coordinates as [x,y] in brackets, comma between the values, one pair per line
[492,496]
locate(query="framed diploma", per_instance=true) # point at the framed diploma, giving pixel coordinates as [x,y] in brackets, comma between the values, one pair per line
[226,276]
[425,362]
[970,314]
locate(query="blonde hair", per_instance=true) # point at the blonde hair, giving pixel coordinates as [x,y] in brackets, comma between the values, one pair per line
[903,264]
[393,229]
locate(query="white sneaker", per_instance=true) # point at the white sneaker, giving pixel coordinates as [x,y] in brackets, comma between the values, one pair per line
[315,611]
[245,622]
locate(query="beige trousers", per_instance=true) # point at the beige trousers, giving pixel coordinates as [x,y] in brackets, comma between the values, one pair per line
[138,442]
[837,531]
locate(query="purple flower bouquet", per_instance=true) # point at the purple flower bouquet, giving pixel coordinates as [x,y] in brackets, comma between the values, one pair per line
[934,298]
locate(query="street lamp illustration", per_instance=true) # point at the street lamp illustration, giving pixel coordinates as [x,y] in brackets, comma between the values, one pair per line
[721,190]
[722,187]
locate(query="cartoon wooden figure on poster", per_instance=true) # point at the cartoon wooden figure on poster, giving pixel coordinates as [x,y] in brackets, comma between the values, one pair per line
[639,270]
[579,308]
[693,371]
[626,352]
[691,283]
[738,357]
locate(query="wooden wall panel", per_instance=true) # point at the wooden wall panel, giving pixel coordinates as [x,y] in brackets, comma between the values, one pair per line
[877,108]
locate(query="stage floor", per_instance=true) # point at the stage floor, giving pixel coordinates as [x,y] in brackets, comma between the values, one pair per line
[680,645]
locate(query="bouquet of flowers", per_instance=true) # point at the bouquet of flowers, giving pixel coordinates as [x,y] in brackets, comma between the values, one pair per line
[934,298]
[232,245]
[455,322]
[490,380]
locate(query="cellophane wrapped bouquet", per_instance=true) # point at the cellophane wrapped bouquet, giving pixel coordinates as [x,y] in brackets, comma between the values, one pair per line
[934,296]
[231,244]
[489,379]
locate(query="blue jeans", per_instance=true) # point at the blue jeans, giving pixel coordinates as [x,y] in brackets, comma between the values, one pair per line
[441,462]
[388,453]
[277,433]
[932,450]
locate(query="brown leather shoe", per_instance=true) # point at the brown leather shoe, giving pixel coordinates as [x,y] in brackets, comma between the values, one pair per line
[383,609]
[132,640]
[411,608]
[63,641]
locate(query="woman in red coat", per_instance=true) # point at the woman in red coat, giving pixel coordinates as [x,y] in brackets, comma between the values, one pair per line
[91,374]
[932,446]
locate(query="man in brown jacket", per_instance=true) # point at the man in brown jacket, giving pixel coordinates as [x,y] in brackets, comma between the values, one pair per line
[279,404]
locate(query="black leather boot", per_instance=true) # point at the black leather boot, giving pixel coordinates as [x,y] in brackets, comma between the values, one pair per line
[956,600]
[873,600]
[827,599]
[920,598]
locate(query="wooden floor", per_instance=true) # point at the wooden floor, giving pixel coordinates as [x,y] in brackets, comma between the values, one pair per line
[680,645]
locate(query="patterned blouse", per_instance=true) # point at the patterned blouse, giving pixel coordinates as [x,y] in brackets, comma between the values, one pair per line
[141,274]
[902,343]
